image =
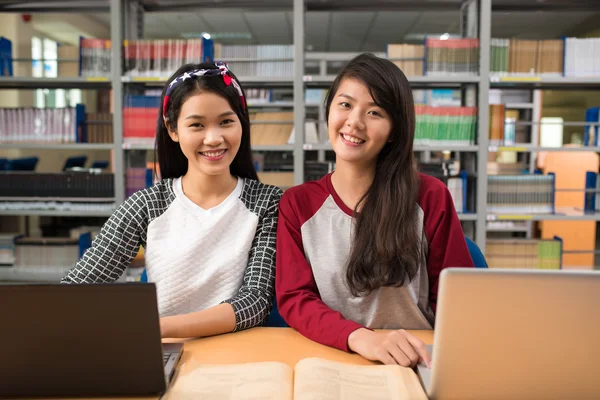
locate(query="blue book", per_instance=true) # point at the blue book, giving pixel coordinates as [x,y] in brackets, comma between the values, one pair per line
[6,58]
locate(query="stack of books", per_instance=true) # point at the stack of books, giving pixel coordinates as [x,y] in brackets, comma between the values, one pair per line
[521,194]
[253,55]
[445,125]
[454,57]
[524,253]
[43,125]
[162,57]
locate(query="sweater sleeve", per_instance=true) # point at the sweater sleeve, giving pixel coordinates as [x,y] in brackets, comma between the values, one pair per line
[298,299]
[115,246]
[253,301]
[445,236]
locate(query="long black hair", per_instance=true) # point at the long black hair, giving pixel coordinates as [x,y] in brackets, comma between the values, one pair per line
[387,247]
[171,160]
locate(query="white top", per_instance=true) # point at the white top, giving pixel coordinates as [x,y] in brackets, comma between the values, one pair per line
[197,257]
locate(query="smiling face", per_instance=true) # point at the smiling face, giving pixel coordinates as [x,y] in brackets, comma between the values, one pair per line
[209,133]
[358,128]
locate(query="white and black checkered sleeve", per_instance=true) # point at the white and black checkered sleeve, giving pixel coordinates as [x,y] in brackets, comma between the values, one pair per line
[115,246]
[253,301]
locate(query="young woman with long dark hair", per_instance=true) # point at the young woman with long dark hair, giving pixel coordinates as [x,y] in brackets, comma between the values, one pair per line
[362,248]
[208,227]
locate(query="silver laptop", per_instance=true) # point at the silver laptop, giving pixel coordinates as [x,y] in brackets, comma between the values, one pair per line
[93,340]
[515,334]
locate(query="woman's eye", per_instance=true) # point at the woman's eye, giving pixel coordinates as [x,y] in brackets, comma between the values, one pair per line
[344,104]
[196,125]
[227,121]
[376,113]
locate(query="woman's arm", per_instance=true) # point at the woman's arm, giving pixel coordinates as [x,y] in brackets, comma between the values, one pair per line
[298,298]
[115,246]
[252,304]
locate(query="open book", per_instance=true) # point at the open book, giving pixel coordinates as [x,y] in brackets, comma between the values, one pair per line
[311,379]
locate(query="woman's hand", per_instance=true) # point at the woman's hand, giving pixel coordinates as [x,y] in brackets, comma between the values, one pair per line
[395,347]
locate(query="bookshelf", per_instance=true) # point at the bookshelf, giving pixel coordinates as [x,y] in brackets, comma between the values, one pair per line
[61,146]
[311,69]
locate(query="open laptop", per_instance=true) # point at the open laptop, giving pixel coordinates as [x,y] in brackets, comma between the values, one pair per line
[87,340]
[515,334]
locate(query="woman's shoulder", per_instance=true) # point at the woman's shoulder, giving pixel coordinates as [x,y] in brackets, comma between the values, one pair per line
[159,190]
[153,198]
[257,188]
[309,189]
[433,193]
[430,185]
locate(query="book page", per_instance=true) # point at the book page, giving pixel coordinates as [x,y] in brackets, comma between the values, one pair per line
[251,381]
[318,379]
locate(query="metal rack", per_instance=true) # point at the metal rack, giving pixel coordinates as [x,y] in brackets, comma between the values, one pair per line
[126,22]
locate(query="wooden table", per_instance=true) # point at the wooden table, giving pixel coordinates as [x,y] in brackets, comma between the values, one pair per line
[263,344]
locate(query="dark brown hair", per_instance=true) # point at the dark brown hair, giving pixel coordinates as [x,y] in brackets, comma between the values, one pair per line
[387,245]
[172,162]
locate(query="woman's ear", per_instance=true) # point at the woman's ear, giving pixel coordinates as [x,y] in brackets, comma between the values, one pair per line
[172,132]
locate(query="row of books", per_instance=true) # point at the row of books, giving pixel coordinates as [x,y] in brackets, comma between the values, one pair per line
[445,125]
[526,57]
[162,57]
[94,57]
[582,57]
[61,206]
[436,57]
[524,253]
[521,194]
[256,52]
[98,128]
[455,57]
[21,185]
[140,113]
[42,125]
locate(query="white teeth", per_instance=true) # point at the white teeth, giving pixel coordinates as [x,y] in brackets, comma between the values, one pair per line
[352,139]
[213,153]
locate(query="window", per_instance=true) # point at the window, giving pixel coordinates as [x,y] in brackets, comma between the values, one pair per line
[44,53]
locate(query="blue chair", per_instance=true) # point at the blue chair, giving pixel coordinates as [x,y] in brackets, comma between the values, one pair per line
[476,254]
[144,276]
[274,319]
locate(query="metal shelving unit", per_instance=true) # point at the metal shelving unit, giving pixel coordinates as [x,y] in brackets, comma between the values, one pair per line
[57,213]
[125,22]
[545,82]
[54,146]
[15,82]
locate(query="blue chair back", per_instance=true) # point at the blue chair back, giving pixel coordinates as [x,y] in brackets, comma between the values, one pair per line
[144,276]
[275,320]
[476,254]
